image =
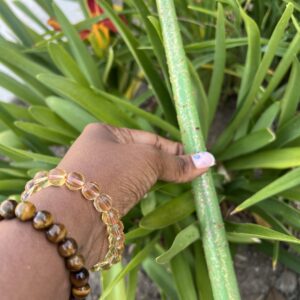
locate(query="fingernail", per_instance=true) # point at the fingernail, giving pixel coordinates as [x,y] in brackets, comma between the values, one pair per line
[203,160]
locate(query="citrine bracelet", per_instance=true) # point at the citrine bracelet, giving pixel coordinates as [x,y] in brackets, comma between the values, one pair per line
[75,181]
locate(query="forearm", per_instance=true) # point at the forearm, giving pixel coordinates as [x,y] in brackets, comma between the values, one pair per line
[30,266]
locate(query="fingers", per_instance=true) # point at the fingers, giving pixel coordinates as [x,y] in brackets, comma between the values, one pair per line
[128,136]
[184,168]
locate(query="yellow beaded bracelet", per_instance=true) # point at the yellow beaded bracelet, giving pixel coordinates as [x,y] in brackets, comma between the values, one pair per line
[90,191]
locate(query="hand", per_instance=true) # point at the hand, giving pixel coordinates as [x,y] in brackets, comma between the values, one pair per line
[127,163]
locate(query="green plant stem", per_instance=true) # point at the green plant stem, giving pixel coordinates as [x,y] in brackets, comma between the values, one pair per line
[219,262]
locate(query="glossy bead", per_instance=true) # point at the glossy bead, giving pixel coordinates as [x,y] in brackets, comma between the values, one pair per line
[29,185]
[56,233]
[90,190]
[57,177]
[75,262]
[25,211]
[67,248]
[75,181]
[27,194]
[80,278]
[81,292]
[102,203]
[7,209]
[42,220]
[110,217]
[41,179]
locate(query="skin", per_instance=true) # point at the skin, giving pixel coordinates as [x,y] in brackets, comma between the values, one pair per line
[126,164]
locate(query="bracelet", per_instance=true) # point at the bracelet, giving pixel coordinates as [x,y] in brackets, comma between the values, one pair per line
[90,191]
[56,233]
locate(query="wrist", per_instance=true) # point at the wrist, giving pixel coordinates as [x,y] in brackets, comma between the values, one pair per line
[80,218]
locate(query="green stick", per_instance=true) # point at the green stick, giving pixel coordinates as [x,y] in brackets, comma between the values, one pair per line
[219,262]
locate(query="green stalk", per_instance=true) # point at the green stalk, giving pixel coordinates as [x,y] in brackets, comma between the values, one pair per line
[219,262]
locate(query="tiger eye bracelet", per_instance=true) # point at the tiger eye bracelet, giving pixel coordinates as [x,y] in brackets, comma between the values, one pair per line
[90,191]
[55,233]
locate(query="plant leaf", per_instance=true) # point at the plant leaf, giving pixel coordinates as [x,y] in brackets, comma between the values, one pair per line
[271,159]
[283,183]
[80,52]
[182,240]
[181,207]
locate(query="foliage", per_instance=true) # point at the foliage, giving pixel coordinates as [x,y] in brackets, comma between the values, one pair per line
[241,54]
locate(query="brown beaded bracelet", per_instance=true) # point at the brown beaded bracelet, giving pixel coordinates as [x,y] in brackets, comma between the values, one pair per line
[56,233]
[90,191]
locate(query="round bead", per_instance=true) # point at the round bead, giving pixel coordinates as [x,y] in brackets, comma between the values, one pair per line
[80,278]
[56,233]
[42,220]
[27,194]
[57,177]
[102,203]
[67,248]
[75,181]
[41,179]
[90,190]
[110,217]
[7,209]
[25,211]
[75,262]
[29,185]
[81,292]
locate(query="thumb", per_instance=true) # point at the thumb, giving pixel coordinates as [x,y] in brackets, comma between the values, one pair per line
[184,168]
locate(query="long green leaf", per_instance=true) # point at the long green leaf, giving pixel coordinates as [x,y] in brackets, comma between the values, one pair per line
[65,63]
[243,112]
[290,99]
[267,118]
[160,277]
[144,62]
[219,65]
[69,112]
[21,91]
[283,183]
[99,107]
[248,144]
[134,262]
[253,56]
[183,239]
[80,52]
[258,231]
[17,26]
[270,159]
[48,118]
[44,133]
[280,72]
[181,207]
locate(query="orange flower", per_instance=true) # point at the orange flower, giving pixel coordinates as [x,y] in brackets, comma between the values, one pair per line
[99,34]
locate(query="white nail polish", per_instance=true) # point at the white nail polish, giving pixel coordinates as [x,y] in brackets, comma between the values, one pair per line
[203,160]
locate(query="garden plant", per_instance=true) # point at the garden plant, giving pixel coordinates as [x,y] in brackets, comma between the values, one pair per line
[173,67]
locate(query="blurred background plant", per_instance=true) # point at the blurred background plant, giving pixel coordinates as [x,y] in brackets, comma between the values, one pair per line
[111,67]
